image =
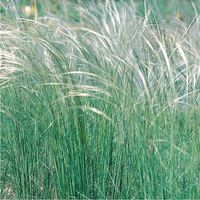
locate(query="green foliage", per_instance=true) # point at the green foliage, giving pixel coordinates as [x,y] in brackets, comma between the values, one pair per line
[99,102]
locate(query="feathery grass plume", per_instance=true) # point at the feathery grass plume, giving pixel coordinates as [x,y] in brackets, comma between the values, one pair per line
[106,107]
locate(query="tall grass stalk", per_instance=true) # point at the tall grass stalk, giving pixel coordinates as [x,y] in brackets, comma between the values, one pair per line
[106,108]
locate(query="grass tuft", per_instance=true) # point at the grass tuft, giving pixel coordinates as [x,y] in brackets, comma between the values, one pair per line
[106,105]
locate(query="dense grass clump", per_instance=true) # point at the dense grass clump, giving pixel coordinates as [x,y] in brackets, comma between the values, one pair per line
[107,106]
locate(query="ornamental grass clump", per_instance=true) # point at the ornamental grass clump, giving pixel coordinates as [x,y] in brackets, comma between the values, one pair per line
[105,108]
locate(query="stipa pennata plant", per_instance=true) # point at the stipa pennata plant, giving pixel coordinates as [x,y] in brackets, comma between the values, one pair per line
[108,108]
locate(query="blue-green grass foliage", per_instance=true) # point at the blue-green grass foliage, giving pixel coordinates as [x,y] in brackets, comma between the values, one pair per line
[103,107]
